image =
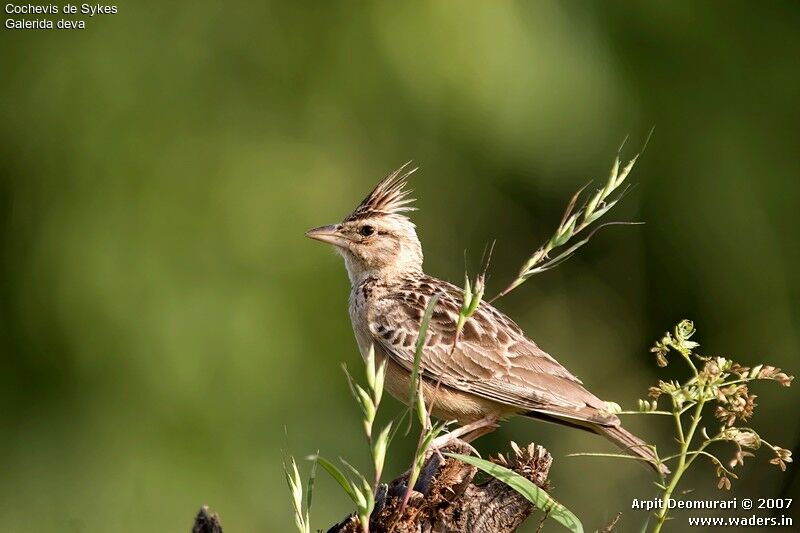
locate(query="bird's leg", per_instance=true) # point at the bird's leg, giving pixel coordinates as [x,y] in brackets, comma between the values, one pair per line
[470,431]
[473,435]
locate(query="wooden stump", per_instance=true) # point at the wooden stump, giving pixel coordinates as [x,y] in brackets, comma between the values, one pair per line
[446,500]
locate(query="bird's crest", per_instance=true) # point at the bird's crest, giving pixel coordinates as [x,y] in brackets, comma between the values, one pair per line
[389,197]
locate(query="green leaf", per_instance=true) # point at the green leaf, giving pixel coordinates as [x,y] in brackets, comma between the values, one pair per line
[367,406]
[361,502]
[338,476]
[422,413]
[399,423]
[526,488]
[430,435]
[557,260]
[568,229]
[467,294]
[364,497]
[370,364]
[355,472]
[423,330]
[625,171]
[612,177]
[311,478]
[380,377]
[590,207]
[351,383]
[296,488]
[380,447]
[295,485]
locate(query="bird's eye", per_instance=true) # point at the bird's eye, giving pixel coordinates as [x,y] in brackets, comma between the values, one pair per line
[366,231]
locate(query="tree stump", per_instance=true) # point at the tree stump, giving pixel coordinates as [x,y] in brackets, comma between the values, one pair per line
[446,500]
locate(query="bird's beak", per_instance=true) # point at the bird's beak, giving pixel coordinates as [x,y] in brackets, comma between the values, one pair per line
[328,234]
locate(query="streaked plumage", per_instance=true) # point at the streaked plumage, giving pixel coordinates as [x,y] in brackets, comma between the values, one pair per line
[494,372]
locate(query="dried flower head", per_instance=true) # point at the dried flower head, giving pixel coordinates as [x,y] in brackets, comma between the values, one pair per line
[782,456]
[738,458]
[775,374]
[712,368]
[723,475]
[661,349]
[746,438]
[739,370]
[736,402]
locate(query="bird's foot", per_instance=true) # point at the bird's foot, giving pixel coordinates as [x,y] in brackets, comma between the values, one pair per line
[466,433]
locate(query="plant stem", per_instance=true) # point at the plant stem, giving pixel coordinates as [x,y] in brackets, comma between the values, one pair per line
[683,465]
[678,425]
[688,358]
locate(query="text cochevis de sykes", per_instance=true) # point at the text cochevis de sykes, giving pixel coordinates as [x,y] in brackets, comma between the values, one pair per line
[89,10]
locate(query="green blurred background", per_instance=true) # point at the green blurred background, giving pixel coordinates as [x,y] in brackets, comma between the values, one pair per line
[167,330]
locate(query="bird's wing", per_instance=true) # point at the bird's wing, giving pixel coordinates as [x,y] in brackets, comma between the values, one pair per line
[493,359]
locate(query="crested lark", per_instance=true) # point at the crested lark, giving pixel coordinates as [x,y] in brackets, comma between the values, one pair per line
[494,372]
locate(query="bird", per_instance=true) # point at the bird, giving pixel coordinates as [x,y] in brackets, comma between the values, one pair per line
[493,371]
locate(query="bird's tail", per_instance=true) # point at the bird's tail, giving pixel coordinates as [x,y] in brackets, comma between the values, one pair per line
[632,445]
[627,441]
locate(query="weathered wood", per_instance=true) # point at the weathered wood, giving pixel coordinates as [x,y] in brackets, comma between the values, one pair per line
[446,500]
[206,523]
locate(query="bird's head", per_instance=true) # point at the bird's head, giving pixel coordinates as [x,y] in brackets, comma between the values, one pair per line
[377,239]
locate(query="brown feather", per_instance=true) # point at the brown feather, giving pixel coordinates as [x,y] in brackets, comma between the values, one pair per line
[389,197]
[493,359]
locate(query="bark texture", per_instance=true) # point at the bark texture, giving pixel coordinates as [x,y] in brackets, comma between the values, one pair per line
[446,500]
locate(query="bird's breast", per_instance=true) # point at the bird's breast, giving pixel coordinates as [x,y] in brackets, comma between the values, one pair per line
[358,317]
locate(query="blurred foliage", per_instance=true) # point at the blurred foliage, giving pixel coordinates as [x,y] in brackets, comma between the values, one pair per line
[163,319]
